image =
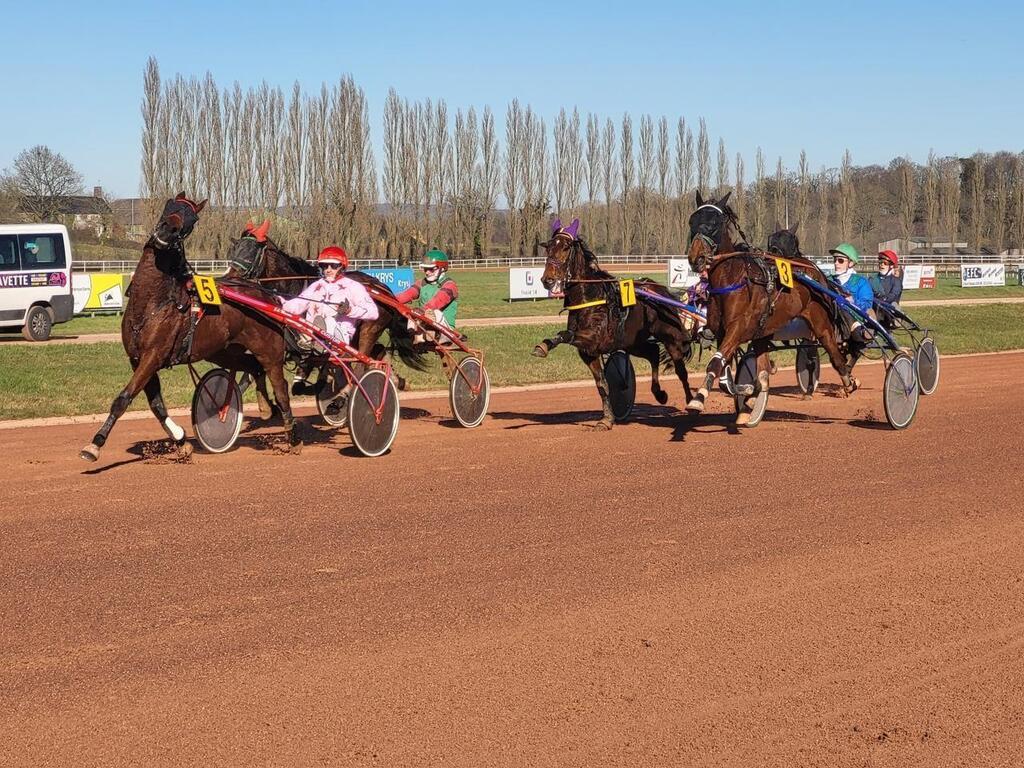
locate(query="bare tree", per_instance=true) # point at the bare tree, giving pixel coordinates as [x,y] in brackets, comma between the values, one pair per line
[739,203]
[824,189]
[722,175]
[847,198]
[684,177]
[490,175]
[44,180]
[514,150]
[931,199]
[609,177]
[664,153]
[645,180]
[703,159]
[1018,202]
[781,195]
[568,163]
[467,156]
[593,174]
[977,188]
[1000,203]
[760,199]
[803,192]
[627,167]
[151,149]
[908,199]
[950,200]
[394,179]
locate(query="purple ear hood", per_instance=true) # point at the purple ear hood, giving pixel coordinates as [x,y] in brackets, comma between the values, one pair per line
[556,226]
[573,228]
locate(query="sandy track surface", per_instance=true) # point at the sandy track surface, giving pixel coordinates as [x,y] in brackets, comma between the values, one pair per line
[531,592]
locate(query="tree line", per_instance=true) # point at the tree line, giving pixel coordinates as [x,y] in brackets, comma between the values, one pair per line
[456,181]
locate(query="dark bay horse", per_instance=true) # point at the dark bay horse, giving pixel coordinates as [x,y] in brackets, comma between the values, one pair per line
[599,325]
[255,256]
[747,302]
[163,326]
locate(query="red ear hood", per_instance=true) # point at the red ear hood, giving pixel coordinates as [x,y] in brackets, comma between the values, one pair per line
[261,232]
[249,227]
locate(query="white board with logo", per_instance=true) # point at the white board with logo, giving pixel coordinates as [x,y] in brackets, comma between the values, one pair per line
[680,275]
[524,283]
[979,275]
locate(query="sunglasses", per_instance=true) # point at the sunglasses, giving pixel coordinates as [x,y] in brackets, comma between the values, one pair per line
[330,266]
[840,259]
[431,269]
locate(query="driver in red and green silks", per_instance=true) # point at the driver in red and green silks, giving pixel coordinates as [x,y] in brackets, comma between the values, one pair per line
[437,293]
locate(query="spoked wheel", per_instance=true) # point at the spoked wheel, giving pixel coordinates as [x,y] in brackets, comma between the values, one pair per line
[746,375]
[469,392]
[900,391]
[373,413]
[217,411]
[621,378]
[332,396]
[808,369]
[926,360]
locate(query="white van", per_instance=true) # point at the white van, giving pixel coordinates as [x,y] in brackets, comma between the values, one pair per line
[35,278]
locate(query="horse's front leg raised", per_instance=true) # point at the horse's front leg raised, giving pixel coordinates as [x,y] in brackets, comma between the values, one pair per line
[597,369]
[716,367]
[145,369]
[562,337]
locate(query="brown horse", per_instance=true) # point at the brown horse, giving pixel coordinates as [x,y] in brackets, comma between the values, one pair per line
[164,325]
[748,303]
[255,256]
[599,324]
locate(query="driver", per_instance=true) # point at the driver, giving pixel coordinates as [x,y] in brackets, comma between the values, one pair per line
[845,258]
[437,293]
[334,303]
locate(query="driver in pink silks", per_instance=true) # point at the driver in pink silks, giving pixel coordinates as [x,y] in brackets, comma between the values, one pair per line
[335,304]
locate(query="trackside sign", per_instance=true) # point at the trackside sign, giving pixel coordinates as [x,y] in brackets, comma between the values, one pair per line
[978,275]
[524,283]
[679,274]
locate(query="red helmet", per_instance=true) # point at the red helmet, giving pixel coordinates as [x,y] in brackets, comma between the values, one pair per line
[333,254]
[890,256]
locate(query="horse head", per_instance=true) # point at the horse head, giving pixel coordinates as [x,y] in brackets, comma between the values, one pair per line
[709,230]
[247,254]
[559,248]
[784,241]
[177,221]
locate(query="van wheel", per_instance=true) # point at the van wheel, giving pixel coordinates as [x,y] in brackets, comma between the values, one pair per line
[37,324]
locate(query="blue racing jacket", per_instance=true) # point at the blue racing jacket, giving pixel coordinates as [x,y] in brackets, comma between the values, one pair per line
[860,292]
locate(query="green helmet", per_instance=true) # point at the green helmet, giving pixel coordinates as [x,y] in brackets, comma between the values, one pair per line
[847,250]
[435,258]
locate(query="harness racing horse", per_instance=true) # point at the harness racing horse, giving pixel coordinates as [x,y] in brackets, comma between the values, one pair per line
[599,325]
[747,301]
[163,326]
[255,256]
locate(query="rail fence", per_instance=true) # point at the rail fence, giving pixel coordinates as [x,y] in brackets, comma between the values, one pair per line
[944,265]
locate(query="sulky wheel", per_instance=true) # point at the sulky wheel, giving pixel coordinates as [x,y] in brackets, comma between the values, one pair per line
[217,411]
[621,379]
[332,395]
[900,393]
[808,369]
[746,375]
[373,413]
[926,360]
[469,392]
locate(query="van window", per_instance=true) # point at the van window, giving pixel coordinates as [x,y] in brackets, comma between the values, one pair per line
[9,253]
[42,251]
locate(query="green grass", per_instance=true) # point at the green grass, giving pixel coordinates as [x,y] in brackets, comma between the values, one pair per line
[485,294]
[67,379]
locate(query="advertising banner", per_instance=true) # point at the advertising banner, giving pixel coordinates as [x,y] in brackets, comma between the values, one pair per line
[978,275]
[99,292]
[911,277]
[524,283]
[397,279]
[680,275]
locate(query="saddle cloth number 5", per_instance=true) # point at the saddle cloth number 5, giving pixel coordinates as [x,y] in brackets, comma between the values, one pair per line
[785,272]
[206,287]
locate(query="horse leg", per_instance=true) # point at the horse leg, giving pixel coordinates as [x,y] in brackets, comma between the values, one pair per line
[263,401]
[764,367]
[828,340]
[652,353]
[546,345]
[275,370]
[716,367]
[156,405]
[145,369]
[597,369]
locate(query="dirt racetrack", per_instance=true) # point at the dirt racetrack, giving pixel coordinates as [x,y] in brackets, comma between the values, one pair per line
[530,593]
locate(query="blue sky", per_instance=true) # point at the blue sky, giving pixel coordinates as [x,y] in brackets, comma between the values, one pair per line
[883,79]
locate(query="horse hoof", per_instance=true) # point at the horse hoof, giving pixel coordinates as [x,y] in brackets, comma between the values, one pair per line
[403,385]
[603,426]
[695,406]
[661,396]
[185,451]
[295,449]
[742,419]
[91,452]
[539,351]
[773,368]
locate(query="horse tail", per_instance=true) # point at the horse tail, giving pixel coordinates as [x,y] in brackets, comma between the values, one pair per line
[402,344]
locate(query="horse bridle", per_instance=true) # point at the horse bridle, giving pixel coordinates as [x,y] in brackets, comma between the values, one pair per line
[250,269]
[558,263]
